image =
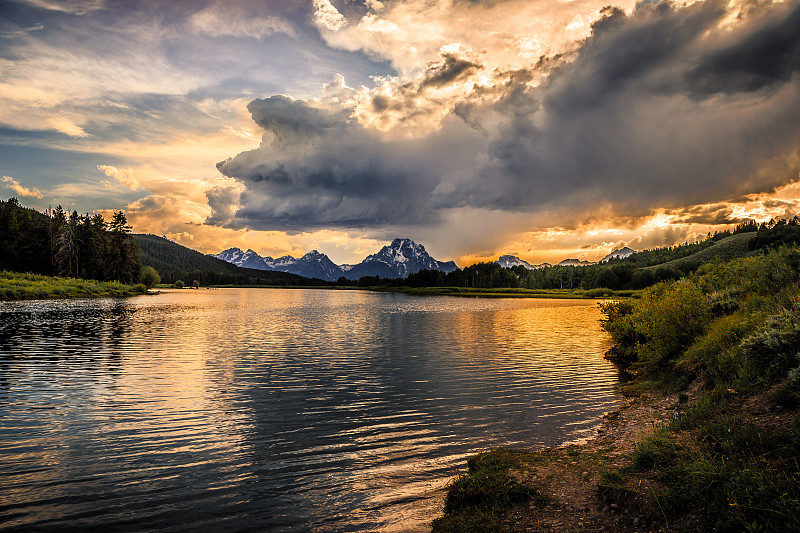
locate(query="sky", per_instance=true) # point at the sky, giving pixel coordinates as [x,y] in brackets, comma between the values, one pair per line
[546,129]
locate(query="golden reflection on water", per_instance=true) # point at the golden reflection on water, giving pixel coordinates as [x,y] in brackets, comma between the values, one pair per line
[291,410]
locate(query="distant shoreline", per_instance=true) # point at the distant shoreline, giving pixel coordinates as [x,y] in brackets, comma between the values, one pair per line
[25,286]
[464,292]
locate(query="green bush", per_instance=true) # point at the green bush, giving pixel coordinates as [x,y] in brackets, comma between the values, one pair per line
[149,277]
[724,302]
[776,345]
[669,316]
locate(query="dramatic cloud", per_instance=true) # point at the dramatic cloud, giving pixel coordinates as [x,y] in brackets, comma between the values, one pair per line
[666,107]
[14,185]
[549,128]
[322,170]
[507,34]
[327,16]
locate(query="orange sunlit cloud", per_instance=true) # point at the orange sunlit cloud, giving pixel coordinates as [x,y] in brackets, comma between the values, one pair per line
[546,130]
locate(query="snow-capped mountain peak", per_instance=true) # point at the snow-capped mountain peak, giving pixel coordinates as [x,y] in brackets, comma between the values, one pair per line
[622,253]
[230,255]
[398,259]
[509,261]
[405,257]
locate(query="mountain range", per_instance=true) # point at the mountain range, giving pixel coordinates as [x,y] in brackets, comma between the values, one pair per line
[396,260]
[508,261]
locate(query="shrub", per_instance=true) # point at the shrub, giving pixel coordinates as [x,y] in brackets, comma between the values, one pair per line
[149,277]
[775,346]
[724,302]
[478,499]
[669,317]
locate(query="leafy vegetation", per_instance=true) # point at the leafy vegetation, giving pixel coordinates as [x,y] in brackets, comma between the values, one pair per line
[731,330]
[17,286]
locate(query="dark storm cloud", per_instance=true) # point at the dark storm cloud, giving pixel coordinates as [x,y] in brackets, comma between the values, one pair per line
[623,123]
[292,121]
[322,170]
[661,108]
[766,56]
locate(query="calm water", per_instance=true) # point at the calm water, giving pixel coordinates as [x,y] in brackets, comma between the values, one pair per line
[278,410]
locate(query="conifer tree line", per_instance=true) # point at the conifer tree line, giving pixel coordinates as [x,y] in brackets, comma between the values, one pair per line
[57,243]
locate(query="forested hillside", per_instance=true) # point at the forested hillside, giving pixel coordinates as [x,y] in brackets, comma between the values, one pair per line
[175,262]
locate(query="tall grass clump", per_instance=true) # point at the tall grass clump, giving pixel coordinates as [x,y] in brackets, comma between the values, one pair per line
[479,499]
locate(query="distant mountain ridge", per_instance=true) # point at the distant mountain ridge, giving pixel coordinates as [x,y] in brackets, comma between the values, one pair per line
[509,261]
[396,260]
[174,261]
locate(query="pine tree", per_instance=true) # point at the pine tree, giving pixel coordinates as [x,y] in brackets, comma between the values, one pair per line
[66,255]
[123,262]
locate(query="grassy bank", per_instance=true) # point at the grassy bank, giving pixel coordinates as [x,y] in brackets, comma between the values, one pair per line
[715,397]
[508,293]
[17,286]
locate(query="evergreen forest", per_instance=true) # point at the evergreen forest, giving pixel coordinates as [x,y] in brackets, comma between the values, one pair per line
[57,243]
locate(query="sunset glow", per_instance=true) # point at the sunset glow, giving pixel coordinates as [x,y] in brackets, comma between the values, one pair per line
[547,130]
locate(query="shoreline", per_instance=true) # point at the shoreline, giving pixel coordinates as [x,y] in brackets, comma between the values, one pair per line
[567,478]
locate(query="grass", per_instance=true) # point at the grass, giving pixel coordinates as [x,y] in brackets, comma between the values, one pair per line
[23,286]
[727,249]
[480,499]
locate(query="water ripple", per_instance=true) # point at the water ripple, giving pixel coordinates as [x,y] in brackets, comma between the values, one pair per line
[287,410]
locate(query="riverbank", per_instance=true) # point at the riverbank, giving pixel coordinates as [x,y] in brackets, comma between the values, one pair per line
[621,480]
[23,286]
[466,292]
[557,489]
[708,437]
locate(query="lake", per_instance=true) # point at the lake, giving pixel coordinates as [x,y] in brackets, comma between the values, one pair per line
[279,410]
